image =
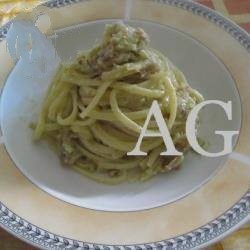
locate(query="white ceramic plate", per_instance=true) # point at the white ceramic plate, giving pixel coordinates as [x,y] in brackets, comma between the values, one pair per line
[165,199]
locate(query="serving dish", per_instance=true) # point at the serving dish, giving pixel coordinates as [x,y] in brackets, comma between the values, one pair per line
[215,206]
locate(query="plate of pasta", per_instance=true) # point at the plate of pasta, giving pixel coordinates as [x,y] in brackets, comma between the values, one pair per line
[74,104]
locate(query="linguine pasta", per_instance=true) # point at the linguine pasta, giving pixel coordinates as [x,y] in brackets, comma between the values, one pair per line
[96,106]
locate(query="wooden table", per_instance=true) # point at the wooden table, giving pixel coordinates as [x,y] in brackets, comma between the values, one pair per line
[9,242]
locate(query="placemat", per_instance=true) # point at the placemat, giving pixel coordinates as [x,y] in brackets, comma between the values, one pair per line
[237,10]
